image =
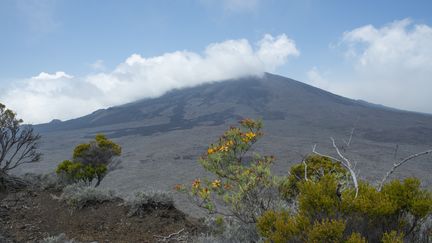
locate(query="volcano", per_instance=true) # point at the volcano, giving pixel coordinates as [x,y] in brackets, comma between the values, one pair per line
[163,137]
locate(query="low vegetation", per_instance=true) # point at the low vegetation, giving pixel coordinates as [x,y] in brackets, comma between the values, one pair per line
[320,200]
[78,196]
[142,202]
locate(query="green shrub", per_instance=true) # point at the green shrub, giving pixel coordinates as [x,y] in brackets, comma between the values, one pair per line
[315,202]
[327,231]
[393,237]
[90,161]
[280,226]
[356,238]
[313,168]
[243,184]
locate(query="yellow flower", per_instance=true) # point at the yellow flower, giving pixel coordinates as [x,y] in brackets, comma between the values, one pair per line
[204,193]
[229,143]
[196,183]
[216,183]
[250,135]
[223,148]
[210,151]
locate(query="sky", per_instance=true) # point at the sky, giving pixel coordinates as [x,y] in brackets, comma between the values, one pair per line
[61,59]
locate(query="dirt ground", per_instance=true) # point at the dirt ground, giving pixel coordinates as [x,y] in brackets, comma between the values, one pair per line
[30,216]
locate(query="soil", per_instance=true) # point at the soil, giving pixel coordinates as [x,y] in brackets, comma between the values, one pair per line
[32,215]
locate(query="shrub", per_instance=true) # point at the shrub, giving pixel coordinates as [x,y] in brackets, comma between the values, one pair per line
[392,237]
[18,146]
[61,238]
[143,202]
[399,207]
[45,181]
[90,161]
[356,238]
[313,168]
[243,185]
[78,196]
[316,202]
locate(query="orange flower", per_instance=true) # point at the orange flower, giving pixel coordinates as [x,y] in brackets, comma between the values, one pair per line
[178,187]
[227,186]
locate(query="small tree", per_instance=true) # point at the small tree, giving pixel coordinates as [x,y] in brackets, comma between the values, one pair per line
[90,161]
[242,186]
[18,143]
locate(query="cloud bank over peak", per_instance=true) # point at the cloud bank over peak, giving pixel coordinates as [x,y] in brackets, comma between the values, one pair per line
[62,96]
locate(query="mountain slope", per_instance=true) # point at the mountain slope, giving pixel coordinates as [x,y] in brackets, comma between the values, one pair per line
[271,97]
[163,138]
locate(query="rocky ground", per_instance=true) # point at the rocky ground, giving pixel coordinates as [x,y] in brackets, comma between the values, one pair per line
[35,215]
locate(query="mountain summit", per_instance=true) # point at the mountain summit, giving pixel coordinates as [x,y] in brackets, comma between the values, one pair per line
[271,97]
[162,138]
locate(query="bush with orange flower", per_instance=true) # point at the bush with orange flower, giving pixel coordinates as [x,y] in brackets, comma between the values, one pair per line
[243,186]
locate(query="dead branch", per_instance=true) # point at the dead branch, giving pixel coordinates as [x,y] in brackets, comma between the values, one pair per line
[344,162]
[400,163]
[170,237]
[348,143]
[305,170]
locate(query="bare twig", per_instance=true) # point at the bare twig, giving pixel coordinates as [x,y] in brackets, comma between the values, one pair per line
[347,165]
[350,137]
[344,161]
[305,170]
[161,238]
[400,163]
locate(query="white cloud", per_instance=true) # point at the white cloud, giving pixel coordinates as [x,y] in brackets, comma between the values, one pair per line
[315,78]
[392,65]
[60,95]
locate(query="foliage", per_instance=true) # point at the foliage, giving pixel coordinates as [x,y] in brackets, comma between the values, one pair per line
[356,238]
[315,202]
[281,226]
[313,168]
[90,161]
[242,181]
[78,196]
[18,143]
[49,181]
[61,238]
[327,231]
[392,237]
[145,201]
[400,206]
